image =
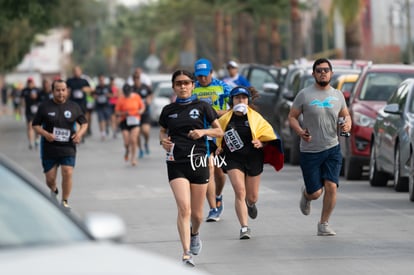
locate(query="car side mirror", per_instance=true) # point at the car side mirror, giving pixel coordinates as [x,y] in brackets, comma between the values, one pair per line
[392,109]
[270,87]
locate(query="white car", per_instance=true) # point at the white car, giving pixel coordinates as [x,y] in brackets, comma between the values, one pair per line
[163,95]
[38,237]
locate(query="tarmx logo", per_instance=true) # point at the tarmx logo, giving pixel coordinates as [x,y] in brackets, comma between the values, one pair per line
[326,103]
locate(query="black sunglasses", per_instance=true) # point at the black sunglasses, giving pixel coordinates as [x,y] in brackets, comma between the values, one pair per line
[320,70]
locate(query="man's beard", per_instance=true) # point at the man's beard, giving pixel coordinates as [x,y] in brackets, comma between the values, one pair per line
[323,83]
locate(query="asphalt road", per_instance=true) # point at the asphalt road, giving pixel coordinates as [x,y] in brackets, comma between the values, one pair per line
[375,226]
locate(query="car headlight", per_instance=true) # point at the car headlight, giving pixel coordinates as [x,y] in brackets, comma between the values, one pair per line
[363,120]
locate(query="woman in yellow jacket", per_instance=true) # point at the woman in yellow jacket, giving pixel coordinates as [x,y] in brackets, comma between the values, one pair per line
[249,142]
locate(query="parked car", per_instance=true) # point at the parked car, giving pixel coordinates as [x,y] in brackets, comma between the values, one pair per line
[391,147]
[163,95]
[411,170]
[297,78]
[370,93]
[345,83]
[38,237]
[267,80]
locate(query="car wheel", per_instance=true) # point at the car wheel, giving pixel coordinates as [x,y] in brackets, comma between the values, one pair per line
[400,183]
[411,181]
[352,171]
[294,152]
[376,178]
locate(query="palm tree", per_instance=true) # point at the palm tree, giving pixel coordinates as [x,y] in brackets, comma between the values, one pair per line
[350,12]
[296,30]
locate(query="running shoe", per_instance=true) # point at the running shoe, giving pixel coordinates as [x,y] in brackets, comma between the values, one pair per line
[325,230]
[219,205]
[147,151]
[252,210]
[141,154]
[305,204]
[65,205]
[188,259]
[196,244]
[245,233]
[213,215]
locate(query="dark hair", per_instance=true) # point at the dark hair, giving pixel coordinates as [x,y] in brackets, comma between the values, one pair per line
[320,61]
[126,88]
[182,72]
[57,81]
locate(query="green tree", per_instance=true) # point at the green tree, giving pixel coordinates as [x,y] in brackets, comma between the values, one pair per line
[21,20]
[350,12]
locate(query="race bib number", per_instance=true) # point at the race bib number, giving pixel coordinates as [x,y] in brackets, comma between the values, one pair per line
[33,109]
[62,135]
[132,121]
[90,105]
[102,99]
[233,140]
[78,94]
[170,154]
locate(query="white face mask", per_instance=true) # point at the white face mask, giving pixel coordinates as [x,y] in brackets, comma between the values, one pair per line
[241,107]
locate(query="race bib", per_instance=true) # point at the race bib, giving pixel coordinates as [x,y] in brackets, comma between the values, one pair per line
[102,99]
[170,154]
[132,121]
[233,140]
[90,104]
[33,109]
[62,135]
[78,94]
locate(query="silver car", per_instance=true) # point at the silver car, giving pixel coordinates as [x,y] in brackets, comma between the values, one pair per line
[38,237]
[391,146]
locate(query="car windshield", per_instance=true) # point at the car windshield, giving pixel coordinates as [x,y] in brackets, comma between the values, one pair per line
[379,86]
[29,218]
[347,86]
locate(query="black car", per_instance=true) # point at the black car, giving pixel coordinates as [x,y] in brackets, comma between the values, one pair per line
[267,80]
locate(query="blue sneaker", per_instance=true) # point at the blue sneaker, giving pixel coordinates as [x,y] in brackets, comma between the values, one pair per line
[147,151]
[219,204]
[141,154]
[213,215]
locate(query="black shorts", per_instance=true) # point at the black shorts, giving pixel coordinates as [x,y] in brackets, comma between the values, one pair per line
[200,175]
[212,147]
[145,118]
[123,126]
[251,165]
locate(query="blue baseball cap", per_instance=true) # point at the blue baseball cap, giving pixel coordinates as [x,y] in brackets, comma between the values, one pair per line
[239,90]
[202,67]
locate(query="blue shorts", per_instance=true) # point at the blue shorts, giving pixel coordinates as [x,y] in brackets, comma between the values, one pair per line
[321,166]
[104,113]
[50,163]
